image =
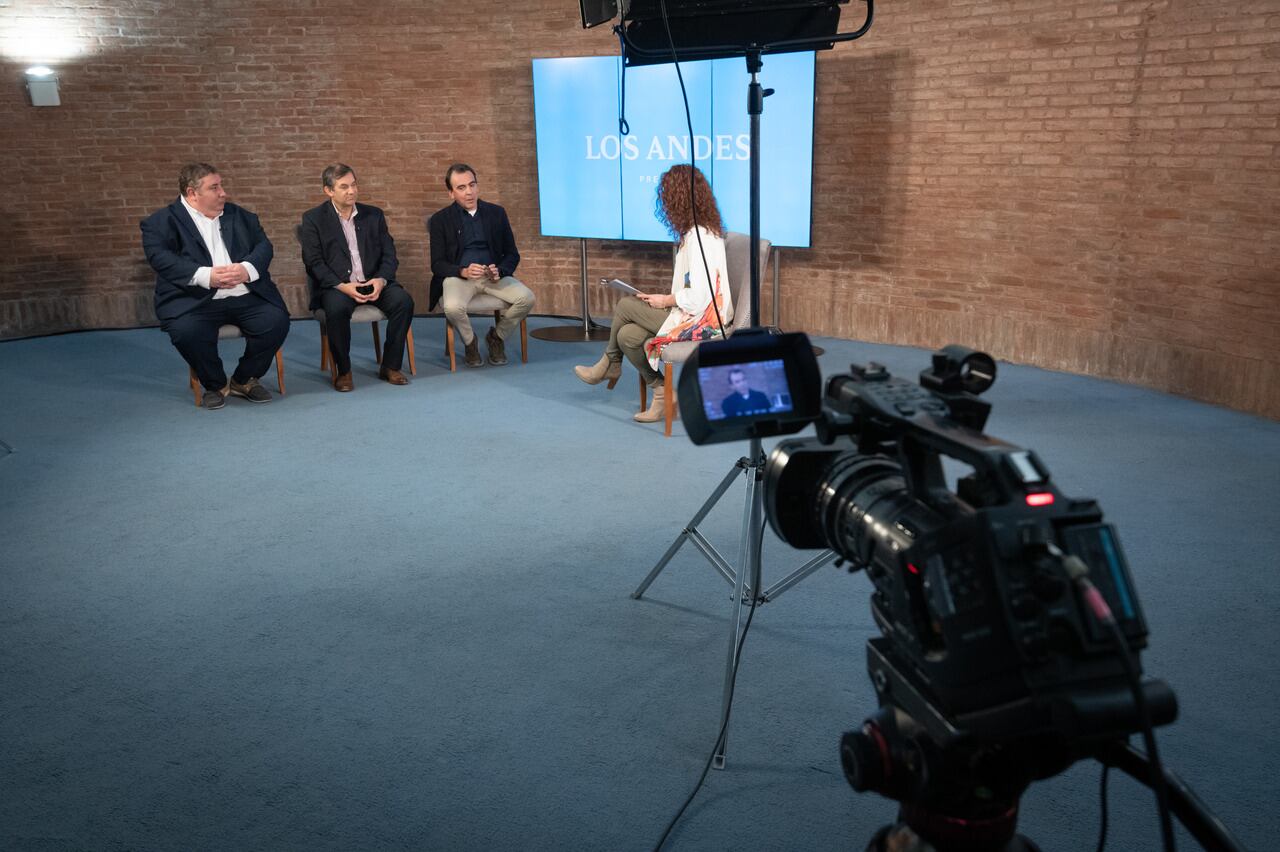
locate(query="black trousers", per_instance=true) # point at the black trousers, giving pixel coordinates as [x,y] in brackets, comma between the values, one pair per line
[394,301]
[195,335]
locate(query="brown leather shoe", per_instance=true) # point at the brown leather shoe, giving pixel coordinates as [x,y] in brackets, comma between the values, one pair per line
[394,377]
[344,383]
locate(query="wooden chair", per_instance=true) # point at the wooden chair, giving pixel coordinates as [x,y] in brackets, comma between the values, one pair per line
[362,313]
[483,303]
[737,251]
[230,332]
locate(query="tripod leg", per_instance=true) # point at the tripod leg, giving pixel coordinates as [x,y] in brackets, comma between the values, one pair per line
[689,528]
[748,561]
[717,561]
[797,575]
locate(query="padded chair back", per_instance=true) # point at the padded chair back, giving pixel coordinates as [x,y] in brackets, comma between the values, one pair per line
[737,255]
[313,288]
[737,252]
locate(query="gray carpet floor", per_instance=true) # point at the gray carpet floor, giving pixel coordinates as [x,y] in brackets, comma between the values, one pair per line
[400,618]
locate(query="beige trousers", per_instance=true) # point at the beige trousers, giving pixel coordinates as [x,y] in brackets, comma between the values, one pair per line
[458,293]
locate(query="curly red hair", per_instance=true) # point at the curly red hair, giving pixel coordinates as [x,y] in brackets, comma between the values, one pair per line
[676,206]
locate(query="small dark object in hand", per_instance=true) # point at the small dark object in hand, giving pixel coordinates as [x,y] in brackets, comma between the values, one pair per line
[365,289]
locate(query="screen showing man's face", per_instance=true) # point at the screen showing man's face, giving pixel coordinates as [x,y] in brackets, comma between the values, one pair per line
[749,389]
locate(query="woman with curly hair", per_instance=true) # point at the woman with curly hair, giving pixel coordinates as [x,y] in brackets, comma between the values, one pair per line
[643,324]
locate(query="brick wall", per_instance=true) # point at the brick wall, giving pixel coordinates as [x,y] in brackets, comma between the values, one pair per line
[1087,186]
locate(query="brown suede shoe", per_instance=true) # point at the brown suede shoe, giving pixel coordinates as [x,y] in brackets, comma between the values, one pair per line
[251,390]
[497,349]
[213,400]
[344,383]
[394,377]
[472,355]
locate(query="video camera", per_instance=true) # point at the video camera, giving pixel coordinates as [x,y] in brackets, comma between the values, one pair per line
[994,667]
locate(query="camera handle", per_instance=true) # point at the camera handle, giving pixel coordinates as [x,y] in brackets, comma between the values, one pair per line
[745,576]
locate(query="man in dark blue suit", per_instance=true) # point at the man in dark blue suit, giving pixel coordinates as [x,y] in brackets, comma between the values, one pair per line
[351,260]
[211,261]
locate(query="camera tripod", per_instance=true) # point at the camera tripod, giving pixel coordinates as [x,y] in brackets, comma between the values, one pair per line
[960,791]
[1201,823]
[745,576]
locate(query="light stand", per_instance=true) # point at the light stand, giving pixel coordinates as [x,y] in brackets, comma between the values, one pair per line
[589,331]
[746,593]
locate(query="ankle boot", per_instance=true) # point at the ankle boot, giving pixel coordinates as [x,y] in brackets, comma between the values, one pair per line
[603,369]
[657,409]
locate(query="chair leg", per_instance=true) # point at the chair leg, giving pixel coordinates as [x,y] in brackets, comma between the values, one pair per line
[377,344]
[524,341]
[195,385]
[668,403]
[644,394]
[324,349]
[448,346]
[408,342]
[280,370]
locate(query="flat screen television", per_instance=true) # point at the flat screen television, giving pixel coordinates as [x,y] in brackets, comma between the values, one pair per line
[596,183]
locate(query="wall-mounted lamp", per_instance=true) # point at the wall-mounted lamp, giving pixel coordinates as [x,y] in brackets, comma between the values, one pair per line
[42,85]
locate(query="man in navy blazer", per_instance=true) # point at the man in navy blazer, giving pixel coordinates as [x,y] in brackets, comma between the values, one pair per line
[473,251]
[351,261]
[211,259]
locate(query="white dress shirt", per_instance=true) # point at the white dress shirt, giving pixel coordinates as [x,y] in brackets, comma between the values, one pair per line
[210,231]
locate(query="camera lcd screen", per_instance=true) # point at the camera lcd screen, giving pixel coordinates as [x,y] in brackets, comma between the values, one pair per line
[750,389]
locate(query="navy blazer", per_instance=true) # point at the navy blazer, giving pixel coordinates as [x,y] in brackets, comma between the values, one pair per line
[327,257]
[175,250]
[445,230]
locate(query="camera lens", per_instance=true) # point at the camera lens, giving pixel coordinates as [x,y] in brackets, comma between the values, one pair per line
[839,499]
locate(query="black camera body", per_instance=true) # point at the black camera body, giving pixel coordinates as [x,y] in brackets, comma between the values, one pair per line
[992,669]
[976,610]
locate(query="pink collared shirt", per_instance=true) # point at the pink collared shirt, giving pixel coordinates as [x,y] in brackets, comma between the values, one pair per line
[349,231]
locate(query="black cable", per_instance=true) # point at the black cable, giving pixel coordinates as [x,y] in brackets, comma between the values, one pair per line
[1102,795]
[624,129]
[1097,604]
[693,157]
[728,710]
[1148,736]
[724,727]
